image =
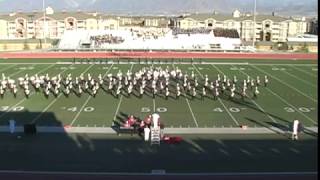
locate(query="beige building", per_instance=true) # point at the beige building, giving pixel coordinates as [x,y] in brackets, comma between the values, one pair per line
[266,28]
[53,24]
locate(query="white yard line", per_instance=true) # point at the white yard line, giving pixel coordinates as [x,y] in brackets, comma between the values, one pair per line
[254,102]
[6,68]
[194,118]
[224,63]
[302,80]
[119,104]
[118,107]
[89,97]
[232,117]
[154,104]
[271,64]
[283,82]
[190,109]
[28,63]
[82,107]
[46,68]
[45,109]
[306,72]
[86,102]
[16,73]
[286,102]
[22,100]
[154,100]
[197,71]
[163,62]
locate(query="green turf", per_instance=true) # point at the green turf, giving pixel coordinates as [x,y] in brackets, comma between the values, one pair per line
[292,93]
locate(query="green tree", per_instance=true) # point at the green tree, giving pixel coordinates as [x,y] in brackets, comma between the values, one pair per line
[26,45]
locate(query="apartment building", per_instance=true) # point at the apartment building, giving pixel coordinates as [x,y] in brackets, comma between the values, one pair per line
[266,27]
[53,24]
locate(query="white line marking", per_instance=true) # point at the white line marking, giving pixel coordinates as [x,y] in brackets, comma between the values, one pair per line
[306,72]
[86,102]
[46,68]
[82,107]
[302,80]
[232,117]
[312,99]
[283,100]
[267,64]
[45,109]
[261,109]
[22,100]
[198,71]
[17,104]
[154,105]
[194,118]
[6,68]
[192,114]
[153,100]
[118,107]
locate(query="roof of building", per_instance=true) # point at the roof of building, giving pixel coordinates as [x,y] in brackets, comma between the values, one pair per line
[78,15]
[224,17]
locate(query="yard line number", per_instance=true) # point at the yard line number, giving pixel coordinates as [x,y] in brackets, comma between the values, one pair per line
[231,109]
[26,68]
[13,108]
[66,68]
[76,109]
[158,109]
[237,68]
[301,109]
[278,69]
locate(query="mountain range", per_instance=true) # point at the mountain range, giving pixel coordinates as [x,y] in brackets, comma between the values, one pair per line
[151,7]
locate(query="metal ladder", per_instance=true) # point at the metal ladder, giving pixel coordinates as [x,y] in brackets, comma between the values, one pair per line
[155,136]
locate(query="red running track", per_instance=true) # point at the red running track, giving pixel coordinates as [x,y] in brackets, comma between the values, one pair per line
[137,54]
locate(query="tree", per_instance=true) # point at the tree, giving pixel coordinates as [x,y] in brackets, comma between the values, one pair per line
[26,46]
[5,47]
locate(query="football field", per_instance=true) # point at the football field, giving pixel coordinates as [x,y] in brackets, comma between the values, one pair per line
[291,94]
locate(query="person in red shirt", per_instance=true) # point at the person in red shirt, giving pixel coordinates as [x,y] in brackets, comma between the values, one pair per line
[126,124]
[131,120]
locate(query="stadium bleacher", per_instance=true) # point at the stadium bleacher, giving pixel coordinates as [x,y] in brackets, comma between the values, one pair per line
[152,39]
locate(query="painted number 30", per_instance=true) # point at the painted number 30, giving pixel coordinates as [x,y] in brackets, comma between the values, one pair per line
[301,109]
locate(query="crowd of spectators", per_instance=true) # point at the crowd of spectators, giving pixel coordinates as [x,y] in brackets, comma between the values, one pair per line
[106,38]
[176,31]
[148,33]
[230,33]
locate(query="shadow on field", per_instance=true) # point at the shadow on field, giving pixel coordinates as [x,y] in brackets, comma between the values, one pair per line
[195,154]
[254,107]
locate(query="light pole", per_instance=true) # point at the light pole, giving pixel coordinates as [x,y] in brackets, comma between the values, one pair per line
[44,21]
[254,23]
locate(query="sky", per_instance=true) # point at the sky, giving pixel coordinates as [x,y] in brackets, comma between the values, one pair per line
[281,7]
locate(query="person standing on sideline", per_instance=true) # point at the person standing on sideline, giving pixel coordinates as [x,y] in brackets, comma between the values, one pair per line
[155,120]
[295,130]
[12,126]
[146,133]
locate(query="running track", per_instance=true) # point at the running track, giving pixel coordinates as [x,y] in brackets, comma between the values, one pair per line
[140,54]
